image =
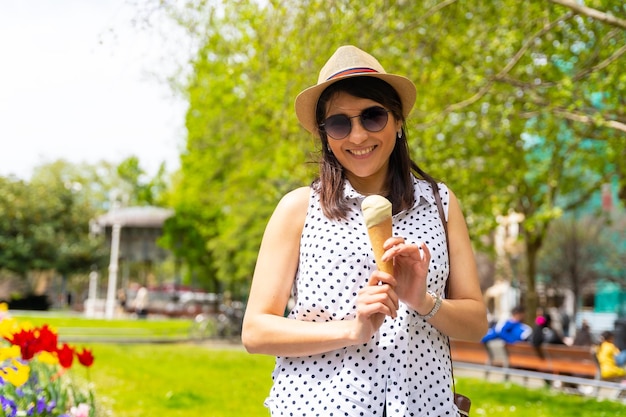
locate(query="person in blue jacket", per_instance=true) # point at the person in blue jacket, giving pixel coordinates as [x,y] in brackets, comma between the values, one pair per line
[512,330]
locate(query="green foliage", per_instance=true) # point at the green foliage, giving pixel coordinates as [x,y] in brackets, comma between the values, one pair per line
[45,222]
[519,108]
[45,225]
[240,155]
[186,235]
[139,190]
[614,255]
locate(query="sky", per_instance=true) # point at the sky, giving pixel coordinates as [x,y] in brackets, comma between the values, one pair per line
[80,82]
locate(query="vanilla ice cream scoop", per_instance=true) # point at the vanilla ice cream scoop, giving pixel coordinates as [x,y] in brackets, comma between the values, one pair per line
[376,209]
[377,212]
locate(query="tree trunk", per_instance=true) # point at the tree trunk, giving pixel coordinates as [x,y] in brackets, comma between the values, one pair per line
[531,297]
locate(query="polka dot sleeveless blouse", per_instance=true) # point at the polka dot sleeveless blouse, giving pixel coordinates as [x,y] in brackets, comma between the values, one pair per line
[406,366]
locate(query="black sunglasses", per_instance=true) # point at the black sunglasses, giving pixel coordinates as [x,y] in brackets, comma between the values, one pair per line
[339,126]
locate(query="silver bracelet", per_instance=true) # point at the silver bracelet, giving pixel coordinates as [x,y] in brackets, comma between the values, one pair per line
[435,308]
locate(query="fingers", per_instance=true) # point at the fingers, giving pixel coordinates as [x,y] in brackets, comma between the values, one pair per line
[378,299]
[380,278]
[397,246]
[393,241]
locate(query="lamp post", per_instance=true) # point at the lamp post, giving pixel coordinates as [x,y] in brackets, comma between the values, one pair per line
[506,291]
[92,298]
[113,266]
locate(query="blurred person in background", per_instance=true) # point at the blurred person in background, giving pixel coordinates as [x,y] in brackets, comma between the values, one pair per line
[511,330]
[610,358]
[583,335]
[543,332]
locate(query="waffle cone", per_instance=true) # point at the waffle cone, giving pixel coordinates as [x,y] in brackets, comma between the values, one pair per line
[378,235]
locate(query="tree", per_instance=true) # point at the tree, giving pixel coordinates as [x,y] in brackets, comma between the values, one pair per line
[22,232]
[135,184]
[520,105]
[186,236]
[241,157]
[539,70]
[614,258]
[45,225]
[572,252]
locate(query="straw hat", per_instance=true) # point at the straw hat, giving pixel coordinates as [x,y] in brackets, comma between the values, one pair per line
[350,61]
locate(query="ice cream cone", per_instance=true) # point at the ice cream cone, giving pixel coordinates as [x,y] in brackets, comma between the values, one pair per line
[378,219]
[378,235]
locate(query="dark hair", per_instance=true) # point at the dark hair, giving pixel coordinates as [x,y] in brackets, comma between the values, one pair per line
[607,335]
[518,310]
[331,174]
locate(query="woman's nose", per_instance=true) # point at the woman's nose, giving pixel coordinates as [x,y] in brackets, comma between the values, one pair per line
[358,134]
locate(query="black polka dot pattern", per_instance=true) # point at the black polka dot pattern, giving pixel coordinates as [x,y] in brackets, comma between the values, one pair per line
[406,366]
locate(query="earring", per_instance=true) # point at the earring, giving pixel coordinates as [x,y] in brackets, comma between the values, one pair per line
[400,134]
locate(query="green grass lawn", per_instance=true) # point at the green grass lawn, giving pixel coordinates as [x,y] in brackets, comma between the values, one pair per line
[511,400]
[147,380]
[76,327]
[180,380]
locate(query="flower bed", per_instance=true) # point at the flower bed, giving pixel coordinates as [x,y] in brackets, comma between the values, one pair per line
[34,377]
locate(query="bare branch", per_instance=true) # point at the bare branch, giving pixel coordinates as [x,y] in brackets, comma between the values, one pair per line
[501,74]
[428,13]
[592,13]
[584,118]
[579,117]
[601,65]
[577,77]
[437,7]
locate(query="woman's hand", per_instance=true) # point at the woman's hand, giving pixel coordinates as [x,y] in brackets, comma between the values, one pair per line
[374,302]
[410,270]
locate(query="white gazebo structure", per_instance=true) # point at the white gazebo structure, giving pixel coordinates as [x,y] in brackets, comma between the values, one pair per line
[131,233]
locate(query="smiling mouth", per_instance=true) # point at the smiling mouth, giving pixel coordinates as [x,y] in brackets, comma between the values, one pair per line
[361,152]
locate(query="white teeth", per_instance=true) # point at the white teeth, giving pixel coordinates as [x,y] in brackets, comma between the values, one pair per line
[360,152]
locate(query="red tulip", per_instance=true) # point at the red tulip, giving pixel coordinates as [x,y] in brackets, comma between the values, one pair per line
[85,357]
[34,341]
[27,342]
[66,355]
[48,339]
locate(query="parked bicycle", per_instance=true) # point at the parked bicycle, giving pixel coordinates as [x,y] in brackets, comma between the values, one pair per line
[226,324]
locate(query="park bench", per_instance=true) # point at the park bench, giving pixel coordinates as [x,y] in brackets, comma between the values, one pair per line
[554,359]
[569,368]
[469,352]
[476,352]
[572,360]
[523,355]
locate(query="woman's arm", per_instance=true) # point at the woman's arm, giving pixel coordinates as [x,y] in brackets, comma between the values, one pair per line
[463,314]
[266,330]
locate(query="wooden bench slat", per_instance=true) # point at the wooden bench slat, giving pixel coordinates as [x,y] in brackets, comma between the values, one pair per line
[470,352]
[573,360]
[523,355]
[554,359]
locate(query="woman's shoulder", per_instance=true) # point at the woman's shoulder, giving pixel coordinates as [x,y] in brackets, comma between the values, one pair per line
[426,185]
[295,202]
[298,196]
[290,214]
[424,188]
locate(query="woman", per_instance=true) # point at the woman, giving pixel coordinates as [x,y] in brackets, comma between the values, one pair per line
[359,341]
